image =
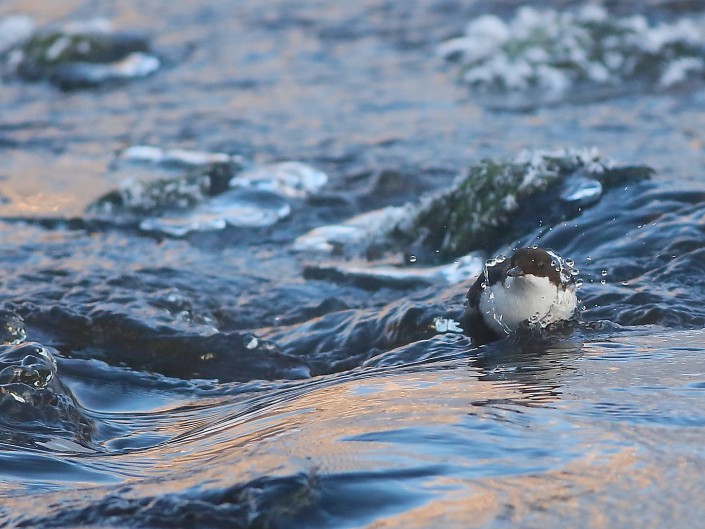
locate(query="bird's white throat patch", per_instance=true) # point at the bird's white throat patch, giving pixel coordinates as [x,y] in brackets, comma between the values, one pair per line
[526,298]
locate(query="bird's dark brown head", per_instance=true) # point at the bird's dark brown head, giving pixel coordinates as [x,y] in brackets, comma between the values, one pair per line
[537,262]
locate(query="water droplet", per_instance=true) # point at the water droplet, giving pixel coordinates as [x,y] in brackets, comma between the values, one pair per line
[569,262]
[604,273]
[412,258]
[578,283]
[588,258]
[483,285]
[625,283]
[575,271]
[603,282]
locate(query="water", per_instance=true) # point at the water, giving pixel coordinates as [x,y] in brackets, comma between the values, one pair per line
[220,379]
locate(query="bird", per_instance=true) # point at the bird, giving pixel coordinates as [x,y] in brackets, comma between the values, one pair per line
[536,286]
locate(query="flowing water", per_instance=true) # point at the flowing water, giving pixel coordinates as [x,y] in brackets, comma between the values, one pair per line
[220,379]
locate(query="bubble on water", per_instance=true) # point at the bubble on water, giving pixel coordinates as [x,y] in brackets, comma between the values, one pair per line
[412,258]
[569,262]
[625,283]
[575,271]
[603,273]
[578,283]
[603,282]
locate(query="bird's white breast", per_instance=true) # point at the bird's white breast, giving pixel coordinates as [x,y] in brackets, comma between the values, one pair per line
[526,298]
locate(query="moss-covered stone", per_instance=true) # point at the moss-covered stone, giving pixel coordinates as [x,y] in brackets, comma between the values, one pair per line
[554,52]
[154,196]
[492,202]
[43,53]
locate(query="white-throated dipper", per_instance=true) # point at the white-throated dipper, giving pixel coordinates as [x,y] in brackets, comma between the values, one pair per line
[534,286]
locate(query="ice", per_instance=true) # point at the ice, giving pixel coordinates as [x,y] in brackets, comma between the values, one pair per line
[243,208]
[157,155]
[581,191]
[291,179]
[355,231]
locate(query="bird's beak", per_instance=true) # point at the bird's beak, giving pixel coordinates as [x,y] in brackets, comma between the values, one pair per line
[515,272]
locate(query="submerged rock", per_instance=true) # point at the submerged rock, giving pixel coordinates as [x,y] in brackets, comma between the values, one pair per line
[553,51]
[374,277]
[81,56]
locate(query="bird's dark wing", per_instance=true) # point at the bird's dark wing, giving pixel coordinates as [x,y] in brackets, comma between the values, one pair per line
[473,322]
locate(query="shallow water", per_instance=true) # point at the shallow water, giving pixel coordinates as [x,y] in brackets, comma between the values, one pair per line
[216,381]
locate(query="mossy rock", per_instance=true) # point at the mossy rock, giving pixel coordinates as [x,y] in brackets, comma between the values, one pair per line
[43,53]
[492,202]
[155,196]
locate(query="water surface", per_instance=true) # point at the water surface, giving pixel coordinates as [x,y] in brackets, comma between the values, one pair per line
[347,409]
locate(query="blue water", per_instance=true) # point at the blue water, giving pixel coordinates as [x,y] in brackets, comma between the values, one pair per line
[348,410]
